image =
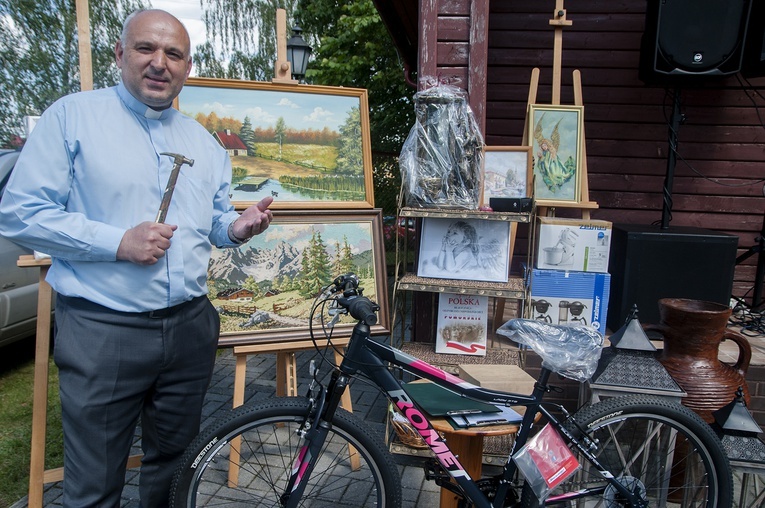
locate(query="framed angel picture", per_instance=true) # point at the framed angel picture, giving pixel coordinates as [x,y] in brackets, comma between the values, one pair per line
[556,143]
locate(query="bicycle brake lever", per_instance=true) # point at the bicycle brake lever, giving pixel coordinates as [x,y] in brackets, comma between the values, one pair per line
[334,320]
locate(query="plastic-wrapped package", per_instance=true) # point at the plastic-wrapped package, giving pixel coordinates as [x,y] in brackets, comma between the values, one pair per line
[442,157]
[545,461]
[571,351]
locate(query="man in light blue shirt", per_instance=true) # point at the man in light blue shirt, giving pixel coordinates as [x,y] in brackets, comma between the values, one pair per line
[135,333]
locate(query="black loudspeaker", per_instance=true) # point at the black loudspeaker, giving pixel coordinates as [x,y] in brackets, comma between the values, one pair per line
[647,263]
[691,40]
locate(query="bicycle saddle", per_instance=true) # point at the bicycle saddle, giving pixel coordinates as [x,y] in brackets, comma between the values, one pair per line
[572,351]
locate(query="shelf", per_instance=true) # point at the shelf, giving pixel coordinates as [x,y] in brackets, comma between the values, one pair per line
[466,214]
[513,288]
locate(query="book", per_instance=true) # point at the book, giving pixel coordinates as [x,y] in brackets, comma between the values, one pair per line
[502,416]
[438,401]
[462,324]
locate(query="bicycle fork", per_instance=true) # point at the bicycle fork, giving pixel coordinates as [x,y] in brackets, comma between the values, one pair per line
[314,432]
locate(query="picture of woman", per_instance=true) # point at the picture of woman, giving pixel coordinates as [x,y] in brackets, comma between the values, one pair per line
[474,249]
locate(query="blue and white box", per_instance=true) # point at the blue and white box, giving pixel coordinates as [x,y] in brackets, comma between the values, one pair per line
[570,298]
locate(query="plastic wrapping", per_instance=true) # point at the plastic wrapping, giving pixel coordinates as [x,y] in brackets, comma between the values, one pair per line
[545,461]
[571,351]
[442,157]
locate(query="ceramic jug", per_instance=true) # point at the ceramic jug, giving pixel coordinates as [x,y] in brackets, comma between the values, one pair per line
[693,331]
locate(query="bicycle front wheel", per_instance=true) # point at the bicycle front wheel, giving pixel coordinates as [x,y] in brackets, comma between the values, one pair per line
[660,450]
[247,459]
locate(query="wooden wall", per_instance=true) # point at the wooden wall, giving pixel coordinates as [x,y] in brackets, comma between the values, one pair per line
[718,181]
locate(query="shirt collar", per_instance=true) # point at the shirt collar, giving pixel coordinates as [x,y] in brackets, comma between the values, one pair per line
[139,107]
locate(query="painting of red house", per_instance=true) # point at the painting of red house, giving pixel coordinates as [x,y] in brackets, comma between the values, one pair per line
[231,142]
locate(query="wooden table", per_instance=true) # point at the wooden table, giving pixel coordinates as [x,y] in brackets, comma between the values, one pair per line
[467,445]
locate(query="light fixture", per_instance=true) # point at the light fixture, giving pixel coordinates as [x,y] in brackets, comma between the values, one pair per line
[298,52]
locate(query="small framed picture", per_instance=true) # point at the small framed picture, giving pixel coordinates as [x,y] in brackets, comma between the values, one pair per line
[506,172]
[556,142]
[473,249]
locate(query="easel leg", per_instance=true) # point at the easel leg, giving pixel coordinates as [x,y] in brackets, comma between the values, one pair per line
[40,396]
[240,375]
[286,375]
[345,402]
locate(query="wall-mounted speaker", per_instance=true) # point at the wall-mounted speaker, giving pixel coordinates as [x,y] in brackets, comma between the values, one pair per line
[691,40]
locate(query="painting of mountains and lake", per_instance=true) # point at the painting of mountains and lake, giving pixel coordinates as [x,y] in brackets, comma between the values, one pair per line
[307,146]
[264,289]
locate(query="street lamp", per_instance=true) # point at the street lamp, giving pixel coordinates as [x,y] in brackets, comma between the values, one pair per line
[298,52]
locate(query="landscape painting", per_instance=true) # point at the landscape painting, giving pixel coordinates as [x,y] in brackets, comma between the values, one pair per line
[264,289]
[307,146]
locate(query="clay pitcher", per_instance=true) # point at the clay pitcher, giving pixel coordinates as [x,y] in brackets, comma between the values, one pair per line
[693,331]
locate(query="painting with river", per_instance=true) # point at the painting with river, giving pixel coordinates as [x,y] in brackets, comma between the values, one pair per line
[306,146]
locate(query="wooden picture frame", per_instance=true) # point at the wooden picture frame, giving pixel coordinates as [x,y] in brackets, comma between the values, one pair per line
[465,248]
[556,134]
[259,288]
[507,172]
[307,146]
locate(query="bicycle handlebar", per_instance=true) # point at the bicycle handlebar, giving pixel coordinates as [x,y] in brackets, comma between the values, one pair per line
[358,306]
[361,308]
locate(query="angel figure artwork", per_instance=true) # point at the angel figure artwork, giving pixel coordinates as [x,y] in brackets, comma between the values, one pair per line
[470,249]
[556,145]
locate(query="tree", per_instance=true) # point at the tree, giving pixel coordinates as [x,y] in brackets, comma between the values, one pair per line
[279,132]
[39,58]
[349,153]
[252,285]
[316,266]
[353,48]
[247,136]
[245,32]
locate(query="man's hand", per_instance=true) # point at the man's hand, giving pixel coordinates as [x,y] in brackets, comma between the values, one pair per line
[146,243]
[254,220]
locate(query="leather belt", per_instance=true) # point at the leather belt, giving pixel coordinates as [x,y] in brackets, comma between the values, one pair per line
[168,311]
[82,303]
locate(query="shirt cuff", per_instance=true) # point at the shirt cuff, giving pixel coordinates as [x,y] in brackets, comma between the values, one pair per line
[106,242]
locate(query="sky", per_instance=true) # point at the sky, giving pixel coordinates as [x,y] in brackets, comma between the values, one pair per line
[190,14]
[264,107]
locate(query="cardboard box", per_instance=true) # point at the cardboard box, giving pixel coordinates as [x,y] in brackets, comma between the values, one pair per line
[570,298]
[572,244]
[506,378]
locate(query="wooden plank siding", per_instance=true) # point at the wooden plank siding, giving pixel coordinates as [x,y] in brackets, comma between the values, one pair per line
[718,182]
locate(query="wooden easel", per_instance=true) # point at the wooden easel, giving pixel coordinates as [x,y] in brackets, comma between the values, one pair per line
[38,475]
[286,383]
[584,204]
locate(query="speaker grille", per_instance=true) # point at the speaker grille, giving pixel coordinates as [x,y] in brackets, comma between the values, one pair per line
[689,38]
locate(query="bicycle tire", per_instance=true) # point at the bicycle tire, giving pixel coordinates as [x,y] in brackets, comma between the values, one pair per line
[653,436]
[269,444]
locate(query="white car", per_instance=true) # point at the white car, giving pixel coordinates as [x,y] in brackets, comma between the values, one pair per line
[18,286]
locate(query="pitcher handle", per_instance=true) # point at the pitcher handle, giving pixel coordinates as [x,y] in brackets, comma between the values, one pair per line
[744,350]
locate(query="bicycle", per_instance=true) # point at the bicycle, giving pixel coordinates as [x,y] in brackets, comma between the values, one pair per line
[634,450]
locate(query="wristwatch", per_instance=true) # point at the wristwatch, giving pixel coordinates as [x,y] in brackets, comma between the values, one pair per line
[232,236]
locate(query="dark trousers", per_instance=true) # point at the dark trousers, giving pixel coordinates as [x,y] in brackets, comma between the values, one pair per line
[115,366]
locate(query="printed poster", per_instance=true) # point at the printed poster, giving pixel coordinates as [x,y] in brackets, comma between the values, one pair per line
[462,324]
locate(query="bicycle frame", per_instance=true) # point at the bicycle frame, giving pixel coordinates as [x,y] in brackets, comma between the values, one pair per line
[373,359]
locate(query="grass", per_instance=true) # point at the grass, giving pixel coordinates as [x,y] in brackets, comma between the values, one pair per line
[16,389]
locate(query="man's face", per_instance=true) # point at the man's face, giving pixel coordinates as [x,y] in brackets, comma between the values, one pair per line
[154,59]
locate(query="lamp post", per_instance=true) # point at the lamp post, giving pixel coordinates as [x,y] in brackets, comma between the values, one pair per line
[298,52]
